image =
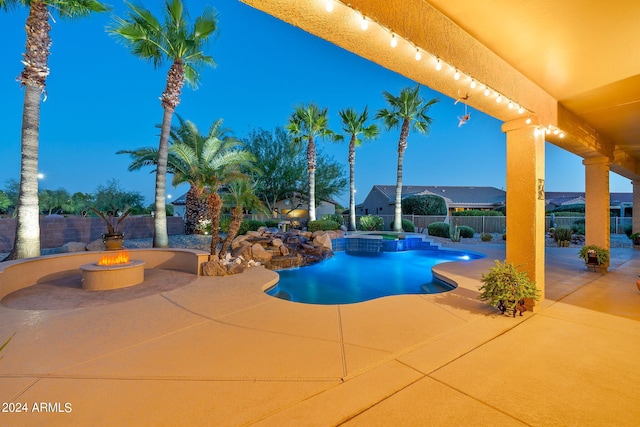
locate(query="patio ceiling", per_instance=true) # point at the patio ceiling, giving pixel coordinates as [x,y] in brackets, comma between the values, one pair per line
[572,64]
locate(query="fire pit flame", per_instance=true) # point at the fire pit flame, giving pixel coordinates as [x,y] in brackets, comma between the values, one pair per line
[114,259]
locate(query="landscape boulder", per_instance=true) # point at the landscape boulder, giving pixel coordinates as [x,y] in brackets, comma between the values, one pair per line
[73,247]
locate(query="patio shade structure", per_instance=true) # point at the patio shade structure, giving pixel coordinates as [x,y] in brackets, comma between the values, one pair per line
[563,72]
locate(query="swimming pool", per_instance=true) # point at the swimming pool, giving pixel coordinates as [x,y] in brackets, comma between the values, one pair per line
[355,277]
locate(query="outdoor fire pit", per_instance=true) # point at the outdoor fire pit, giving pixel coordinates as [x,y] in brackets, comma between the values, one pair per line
[112,271]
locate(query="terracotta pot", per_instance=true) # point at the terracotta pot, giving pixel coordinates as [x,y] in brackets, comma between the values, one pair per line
[113,242]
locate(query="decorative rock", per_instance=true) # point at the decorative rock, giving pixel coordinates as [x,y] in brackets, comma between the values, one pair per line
[262,256]
[323,240]
[284,250]
[74,247]
[253,233]
[236,268]
[238,241]
[96,245]
[276,242]
[213,268]
[244,250]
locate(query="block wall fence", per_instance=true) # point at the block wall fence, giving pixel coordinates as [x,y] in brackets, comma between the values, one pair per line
[57,230]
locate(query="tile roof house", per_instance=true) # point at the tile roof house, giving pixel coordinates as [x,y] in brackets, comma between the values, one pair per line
[620,204]
[381,198]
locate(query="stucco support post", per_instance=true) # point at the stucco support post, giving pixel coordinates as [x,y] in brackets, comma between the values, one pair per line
[635,226]
[597,203]
[526,199]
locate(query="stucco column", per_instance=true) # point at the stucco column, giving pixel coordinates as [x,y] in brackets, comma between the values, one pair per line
[635,226]
[526,199]
[597,203]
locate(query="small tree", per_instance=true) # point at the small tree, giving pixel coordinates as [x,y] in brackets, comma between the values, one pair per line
[424,205]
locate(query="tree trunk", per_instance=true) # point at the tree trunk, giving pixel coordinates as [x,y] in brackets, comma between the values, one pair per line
[234,227]
[402,146]
[214,203]
[352,183]
[311,168]
[160,235]
[27,237]
[33,77]
[196,210]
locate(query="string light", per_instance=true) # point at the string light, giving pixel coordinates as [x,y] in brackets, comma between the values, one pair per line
[528,121]
[329,5]
[364,24]
[561,134]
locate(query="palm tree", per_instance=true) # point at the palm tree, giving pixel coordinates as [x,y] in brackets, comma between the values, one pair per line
[207,163]
[409,111]
[355,125]
[172,41]
[305,124]
[33,77]
[241,194]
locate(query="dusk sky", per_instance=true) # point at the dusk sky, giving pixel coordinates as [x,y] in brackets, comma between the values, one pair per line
[101,99]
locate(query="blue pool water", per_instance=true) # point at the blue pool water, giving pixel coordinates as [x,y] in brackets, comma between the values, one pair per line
[349,278]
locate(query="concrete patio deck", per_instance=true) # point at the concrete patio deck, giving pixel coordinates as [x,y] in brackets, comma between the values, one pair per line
[213,351]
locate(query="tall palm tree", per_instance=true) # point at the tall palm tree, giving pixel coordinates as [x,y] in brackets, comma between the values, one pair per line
[355,125]
[171,41]
[240,194]
[409,111]
[33,78]
[207,163]
[306,123]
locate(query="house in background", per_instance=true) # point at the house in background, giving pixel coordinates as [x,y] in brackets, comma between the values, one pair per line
[621,204]
[381,199]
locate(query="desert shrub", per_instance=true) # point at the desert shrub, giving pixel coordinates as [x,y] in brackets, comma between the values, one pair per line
[272,223]
[466,232]
[371,223]
[334,217]
[250,225]
[578,227]
[322,225]
[477,212]
[562,234]
[424,205]
[438,229]
[505,284]
[486,237]
[406,226]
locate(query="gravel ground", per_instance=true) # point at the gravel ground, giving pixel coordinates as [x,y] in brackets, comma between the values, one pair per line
[204,242]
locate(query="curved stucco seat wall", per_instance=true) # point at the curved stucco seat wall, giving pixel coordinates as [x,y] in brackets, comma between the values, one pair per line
[15,275]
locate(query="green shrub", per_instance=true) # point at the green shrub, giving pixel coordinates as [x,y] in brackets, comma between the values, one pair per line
[578,227]
[568,214]
[486,237]
[250,225]
[505,284]
[627,231]
[575,208]
[477,212]
[371,223]
[438,229]
[334,217]
[504,236]
[562,234]
[272,223]
[407,226]
[424,205]
[601,254]
[322,225]
[466,232]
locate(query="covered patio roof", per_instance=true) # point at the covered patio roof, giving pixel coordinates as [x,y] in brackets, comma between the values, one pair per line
[570,65]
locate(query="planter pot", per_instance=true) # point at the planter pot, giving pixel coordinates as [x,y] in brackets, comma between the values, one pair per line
[113,242]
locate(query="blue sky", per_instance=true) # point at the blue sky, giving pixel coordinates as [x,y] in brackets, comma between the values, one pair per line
[102,99]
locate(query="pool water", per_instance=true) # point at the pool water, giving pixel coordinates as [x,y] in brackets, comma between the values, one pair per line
[349,278]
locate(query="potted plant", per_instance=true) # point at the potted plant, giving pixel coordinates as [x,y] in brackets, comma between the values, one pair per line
[114,237]
[595,256]
[507,288]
